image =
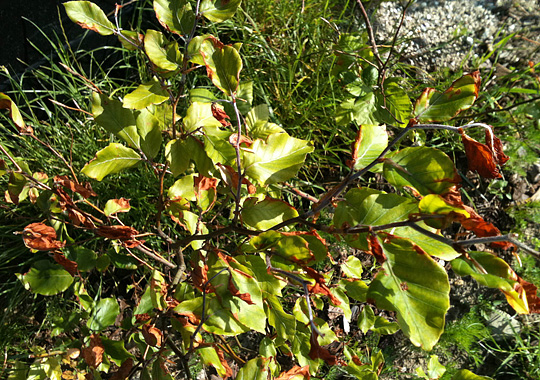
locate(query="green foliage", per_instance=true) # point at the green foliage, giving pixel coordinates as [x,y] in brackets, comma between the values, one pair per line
[188,242]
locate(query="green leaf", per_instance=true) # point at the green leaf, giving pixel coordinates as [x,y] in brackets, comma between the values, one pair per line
[384,327]
[433,106]
[394,105]
[366,319]
[199,115]
[209,356]
[14,113]
[415,287]
[112,159]
[17,189]
[115,350]
[148,128]
[184,187]
[465,374]
[352,267]
[46,278]
[175,15]
[218,147]
[276,160]
[89,16]
[163,54]
[369,144]
[111,115]
[361,110]
[269,284]
[266,214]
[145,95]
[435,204]
[428,170]
[282,322]
[103,314]
[219,10]
[224,68]
[258,125]
[493,272]
[85,258]
[356,289]
[178,156]
[255,369]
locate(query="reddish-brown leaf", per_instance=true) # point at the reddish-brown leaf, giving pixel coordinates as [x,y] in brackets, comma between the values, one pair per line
[480,157]
[84,190]
[152,336]
[132,243]
[141,318]
[495,145]
[70,266]
[320,286]
[41,237]
[375,248]
[123,371]
[117,232]
[295,371]
[246,297]
[199,274]
[93,354]
[202,183]
[231,178]
[122,203]
[221,355]
[220,115]
[233,140]
[318,352]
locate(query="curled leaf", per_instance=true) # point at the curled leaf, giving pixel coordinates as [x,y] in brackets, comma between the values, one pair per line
[69,266]
[117,232]
[294,373]
[221,115]
[84,190]
[152,335]
[41,237]
[124,370]
[93,354]
[484,158]
[318,352]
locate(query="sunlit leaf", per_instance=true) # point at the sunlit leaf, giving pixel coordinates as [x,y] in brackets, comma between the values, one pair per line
[223,68]
[266,214]
[175,15]
[370,141]
[46,278]
[111,115]
[113,159]
[255,369]
[14,113]
[465,374]
[89,16]
[163,54]
[276,160]
[433,106]
[145,95]
[427,170]
[219,10]
[148,128]
[420,297]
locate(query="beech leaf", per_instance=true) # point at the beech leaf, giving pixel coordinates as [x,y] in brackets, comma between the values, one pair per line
[89,16]
[113,159]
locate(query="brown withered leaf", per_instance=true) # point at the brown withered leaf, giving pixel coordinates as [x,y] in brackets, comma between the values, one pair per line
[294,372]
[233,140]
[484,158]
[141,318]
[202,183]
[318,352]
[475,222]
[84,190]
[152,335]
[228,370]
[230,177]
[199,274]
[41,237]
[93,354]
[117,232]
[132,243]
[375,248]
[221,115]
[69,266]
[495,144]
[320,287]
[123,371]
